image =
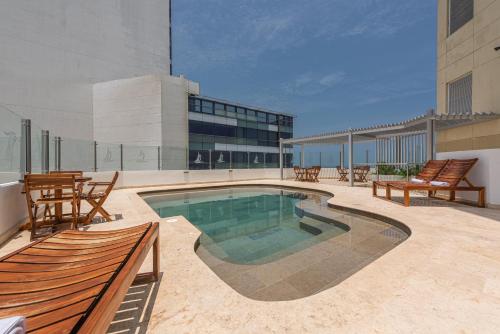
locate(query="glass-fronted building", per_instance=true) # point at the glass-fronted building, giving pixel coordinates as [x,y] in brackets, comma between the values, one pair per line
[224,135]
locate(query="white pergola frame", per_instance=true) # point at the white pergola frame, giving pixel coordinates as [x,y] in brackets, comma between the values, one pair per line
[429,123]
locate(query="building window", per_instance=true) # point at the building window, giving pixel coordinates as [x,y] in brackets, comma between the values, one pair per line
[459,13]
[460,95]
[207,107]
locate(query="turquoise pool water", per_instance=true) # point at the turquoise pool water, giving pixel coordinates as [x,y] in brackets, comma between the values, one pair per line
[250,225]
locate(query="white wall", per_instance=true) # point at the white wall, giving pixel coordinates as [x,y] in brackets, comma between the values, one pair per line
[53,51]
[484,173]
[128,111]
[12,209]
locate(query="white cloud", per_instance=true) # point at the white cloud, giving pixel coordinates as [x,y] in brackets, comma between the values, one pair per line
[308,84]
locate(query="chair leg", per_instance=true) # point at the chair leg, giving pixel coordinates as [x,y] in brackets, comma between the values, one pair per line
[452,196]
[156,259]
[481,198]
[374,189]
[407,197]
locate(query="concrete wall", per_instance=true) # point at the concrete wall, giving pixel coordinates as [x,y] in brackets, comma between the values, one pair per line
[12,209]
[484,173]
[53,51]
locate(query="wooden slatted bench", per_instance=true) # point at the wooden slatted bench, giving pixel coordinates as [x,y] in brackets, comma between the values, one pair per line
[73,281]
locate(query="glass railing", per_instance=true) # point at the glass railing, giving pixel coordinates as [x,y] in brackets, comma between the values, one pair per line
[10,145]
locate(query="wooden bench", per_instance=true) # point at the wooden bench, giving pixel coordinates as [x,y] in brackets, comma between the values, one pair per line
[73,281]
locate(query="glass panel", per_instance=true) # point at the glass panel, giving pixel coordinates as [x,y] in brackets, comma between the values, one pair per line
[77,154]
[240,160]
[36,149]
[256,160]
[108,157]
[10,145]
[140,157]
[199,159]
[207,107]
[220,110]
[220,159]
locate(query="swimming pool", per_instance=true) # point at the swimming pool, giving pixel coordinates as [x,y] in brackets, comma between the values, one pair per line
[272,243]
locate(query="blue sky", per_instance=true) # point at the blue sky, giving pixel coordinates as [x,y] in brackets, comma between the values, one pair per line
[334,63]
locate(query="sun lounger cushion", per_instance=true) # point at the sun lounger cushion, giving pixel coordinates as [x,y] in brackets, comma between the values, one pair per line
[418,181]
[439,184]
[13,325]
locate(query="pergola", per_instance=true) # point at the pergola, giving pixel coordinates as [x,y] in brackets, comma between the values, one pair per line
[427,124]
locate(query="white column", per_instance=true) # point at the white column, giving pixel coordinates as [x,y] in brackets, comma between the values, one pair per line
[351,160]
[281,159]
[430,139]
[302,158]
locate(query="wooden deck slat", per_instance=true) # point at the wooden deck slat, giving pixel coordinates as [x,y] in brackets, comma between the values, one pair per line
[29,310]
[33,267]
[67,259]
[61,327]
[71,252]
[49,275]
[19,288]
[50,245]
[55,316]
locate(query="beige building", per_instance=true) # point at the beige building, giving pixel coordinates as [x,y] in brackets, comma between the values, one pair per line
[468,71]
[468,81]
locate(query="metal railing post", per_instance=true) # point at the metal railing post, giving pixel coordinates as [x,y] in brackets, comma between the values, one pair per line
[407,172]
[121,157]
[25,147]
[230,159]
[210,159]
[95,156]
[45,152]
[57,153]
[159,157]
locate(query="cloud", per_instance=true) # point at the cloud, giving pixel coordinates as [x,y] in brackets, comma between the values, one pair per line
[214,32]
[308,84]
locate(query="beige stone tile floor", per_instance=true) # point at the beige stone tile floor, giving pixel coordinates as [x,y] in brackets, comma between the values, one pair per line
[444,279]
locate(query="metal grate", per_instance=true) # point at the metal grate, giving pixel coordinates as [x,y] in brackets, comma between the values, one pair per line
[459,13]
[460,95]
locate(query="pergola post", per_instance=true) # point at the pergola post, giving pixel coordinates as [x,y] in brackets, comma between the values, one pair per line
[302,158]
[430,139]
[351,160]
[281,158]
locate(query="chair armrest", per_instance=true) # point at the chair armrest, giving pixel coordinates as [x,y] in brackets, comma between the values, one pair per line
[98,183]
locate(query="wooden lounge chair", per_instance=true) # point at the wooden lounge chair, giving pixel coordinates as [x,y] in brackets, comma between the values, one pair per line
[97,198]
[428,173]
[453,173]
[73,281]
[47,186]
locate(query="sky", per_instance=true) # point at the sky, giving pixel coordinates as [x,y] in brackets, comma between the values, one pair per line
[335,64]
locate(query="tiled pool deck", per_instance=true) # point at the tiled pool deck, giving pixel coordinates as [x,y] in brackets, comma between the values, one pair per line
[444,279]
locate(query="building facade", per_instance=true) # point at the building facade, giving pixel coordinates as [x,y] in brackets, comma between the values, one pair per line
[53,52]
[228,135]
[468,82]
[468,71]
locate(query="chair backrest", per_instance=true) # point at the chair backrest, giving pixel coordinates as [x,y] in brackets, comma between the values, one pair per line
[48,182]
[296,168]
[431,170]
[455,171]
[66,172]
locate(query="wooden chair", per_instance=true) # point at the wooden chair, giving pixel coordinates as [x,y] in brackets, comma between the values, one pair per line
[361,173]
[453,173]
[299,173]
[343,173]
[52,190]
[74,281]
[97,198]
[315,170]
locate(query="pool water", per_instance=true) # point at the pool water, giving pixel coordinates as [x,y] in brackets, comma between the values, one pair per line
[248,226]
[271,243]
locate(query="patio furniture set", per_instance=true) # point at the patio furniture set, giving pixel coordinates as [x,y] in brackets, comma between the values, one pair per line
[72,281]
[360,173]
[46,195]
[437,175]
[307,174]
